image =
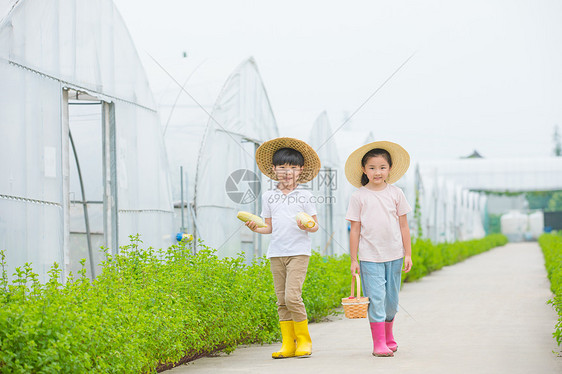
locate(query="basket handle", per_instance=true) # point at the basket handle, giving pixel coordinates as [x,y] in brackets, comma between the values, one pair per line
[358,281]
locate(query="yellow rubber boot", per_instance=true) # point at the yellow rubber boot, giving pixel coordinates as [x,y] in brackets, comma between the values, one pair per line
[304,343]
[289,345]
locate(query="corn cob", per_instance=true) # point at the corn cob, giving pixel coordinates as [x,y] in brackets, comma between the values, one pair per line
[306,220]
[245,217]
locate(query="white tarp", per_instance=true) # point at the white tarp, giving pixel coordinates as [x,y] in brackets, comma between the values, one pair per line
[186,90]
[48,48]
[449,212]
[515,174]
[327,188]
[240,121]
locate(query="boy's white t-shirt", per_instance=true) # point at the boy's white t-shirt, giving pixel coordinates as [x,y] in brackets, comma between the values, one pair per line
[286,238]
[380,239]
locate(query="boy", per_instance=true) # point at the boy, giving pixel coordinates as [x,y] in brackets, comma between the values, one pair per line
[289,162]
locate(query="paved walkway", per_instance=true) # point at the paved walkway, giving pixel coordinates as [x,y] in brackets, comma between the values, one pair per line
[487,314]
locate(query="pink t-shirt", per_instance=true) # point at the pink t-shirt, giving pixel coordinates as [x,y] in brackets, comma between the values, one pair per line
[380,239]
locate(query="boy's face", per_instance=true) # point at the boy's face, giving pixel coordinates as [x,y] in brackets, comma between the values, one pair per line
[287,174]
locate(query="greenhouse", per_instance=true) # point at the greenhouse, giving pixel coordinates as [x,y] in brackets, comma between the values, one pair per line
[110,161]
[502,174]
[227,178]
[331,202]
[81,140]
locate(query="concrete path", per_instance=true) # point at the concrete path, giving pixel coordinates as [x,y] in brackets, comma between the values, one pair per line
[487,314]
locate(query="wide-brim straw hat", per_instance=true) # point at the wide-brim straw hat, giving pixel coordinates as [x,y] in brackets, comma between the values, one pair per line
[264,157]
[400,162]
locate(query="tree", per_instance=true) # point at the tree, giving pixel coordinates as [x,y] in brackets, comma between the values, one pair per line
[538,199]
[555,203]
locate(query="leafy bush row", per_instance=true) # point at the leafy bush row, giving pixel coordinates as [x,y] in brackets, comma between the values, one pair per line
[428,257]
[149,310]
[551,245]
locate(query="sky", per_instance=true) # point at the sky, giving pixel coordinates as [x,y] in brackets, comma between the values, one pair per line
[481,75]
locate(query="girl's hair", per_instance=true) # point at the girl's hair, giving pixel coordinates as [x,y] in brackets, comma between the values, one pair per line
[374,153]
[287,156]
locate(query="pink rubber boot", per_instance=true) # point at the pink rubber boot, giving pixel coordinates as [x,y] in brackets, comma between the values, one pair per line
[379,341]
[390,342]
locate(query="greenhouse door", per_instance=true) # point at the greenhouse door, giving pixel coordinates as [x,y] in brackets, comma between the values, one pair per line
[91,211]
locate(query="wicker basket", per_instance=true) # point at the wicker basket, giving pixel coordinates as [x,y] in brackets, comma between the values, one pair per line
[355,306]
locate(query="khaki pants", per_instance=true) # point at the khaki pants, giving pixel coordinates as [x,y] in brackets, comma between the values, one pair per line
[289,274]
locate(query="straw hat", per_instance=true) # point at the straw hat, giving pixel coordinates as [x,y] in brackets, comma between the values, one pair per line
[264,157]
[400,162]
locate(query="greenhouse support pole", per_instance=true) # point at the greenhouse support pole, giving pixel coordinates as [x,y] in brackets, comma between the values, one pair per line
[330,207]
[187,226]
[113,165]
[182,229]
[110,201]
[325,213]
[198,235]
[445,221]
[455,234]
[257,245]
[65,167]
[85,207]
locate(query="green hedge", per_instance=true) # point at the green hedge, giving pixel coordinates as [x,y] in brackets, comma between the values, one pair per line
[327,281]
[551,245]
[428,257]
[149,310]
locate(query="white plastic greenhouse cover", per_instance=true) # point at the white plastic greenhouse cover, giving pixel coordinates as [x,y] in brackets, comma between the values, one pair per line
[186,90]
[331,203]
[240,121]
[48,47]
[449,212]
[516,174]
[447,217]
[185,100]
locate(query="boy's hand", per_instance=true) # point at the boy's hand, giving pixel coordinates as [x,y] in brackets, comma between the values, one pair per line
[305,228]
[407,263]
[251,225]
[354,267]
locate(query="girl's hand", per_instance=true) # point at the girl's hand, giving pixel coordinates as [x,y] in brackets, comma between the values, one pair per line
[407,263]
[354,267]
[251,225]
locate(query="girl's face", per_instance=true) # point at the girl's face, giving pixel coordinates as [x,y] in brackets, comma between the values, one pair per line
[287,174]
[377,170]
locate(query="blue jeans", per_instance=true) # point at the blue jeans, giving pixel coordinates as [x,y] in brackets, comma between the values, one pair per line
[381,284]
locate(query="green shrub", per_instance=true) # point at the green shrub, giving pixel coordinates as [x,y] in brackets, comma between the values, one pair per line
[150,309]
[428,257]
[551,245]
[494,224]
[327,281]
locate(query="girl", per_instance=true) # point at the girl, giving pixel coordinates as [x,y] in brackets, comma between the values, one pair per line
[379,236]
